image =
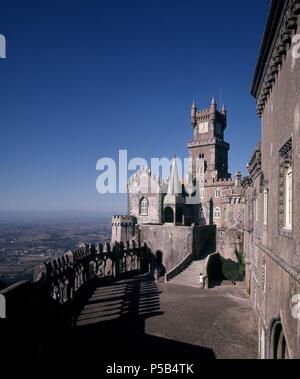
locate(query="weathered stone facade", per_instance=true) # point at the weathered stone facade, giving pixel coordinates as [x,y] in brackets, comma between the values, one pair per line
[168,216]
[144,186]
[123,228]
[272,236]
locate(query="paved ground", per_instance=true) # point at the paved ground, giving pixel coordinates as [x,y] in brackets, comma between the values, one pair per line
[136,319]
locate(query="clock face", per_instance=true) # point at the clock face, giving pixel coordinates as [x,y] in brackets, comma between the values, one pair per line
[203,127]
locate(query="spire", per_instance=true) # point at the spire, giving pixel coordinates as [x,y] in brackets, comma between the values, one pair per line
[194,114]
[224,111]
[213,107]
[174,187]
[174,194]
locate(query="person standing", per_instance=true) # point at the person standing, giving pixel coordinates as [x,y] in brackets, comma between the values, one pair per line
[201,280]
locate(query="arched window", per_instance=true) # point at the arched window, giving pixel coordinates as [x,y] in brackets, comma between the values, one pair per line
[169,215]
[278,347]
[144,207]
[217,213]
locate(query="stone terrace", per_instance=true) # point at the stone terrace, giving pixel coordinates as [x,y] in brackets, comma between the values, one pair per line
[137,319]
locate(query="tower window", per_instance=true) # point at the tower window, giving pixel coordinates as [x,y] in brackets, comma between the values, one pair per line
[218,193]
[265,207]
[217,213]
[256,209]
[286,186]
[144,205]
[264,274]
[288,198]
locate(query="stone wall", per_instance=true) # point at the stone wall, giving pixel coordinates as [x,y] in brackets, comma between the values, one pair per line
[145,185]
[229,241]
[177,242]
[273,247]
[281,120]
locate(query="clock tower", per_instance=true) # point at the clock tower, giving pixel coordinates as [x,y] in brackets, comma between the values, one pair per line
[209,126]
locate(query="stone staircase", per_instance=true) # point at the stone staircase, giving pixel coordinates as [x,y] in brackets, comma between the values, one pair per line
[190,276]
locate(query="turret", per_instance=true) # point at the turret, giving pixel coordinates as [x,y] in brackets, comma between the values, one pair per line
[238,179]
[213,107]
[123,228]
[224,111]
[194,115]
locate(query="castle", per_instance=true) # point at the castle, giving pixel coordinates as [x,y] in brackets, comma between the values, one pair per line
[260,211]
[172,217]
[186,222]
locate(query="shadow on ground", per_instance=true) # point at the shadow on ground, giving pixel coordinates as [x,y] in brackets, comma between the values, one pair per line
[111,326]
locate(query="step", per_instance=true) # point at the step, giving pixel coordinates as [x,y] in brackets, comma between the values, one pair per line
[188,283]
[190,276]
[187,279]
[185,284]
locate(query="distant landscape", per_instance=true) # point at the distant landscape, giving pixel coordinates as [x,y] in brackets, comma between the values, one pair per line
[28,243]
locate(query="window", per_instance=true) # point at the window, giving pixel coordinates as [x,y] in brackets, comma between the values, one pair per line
[264,275]
[286,186]
[202,193]
[144,207]
[217,213]
[218,193]
[256,209]
[289,198]
[263,344]
[266,207]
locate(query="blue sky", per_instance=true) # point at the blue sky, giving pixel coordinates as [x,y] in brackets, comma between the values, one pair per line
[83,79]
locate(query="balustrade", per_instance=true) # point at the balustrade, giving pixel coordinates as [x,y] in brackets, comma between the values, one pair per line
[66,275]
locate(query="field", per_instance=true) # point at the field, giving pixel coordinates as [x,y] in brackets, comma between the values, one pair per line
[25,245]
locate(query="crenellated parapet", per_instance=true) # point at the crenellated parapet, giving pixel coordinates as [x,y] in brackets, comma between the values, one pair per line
[209,141]
[124,221]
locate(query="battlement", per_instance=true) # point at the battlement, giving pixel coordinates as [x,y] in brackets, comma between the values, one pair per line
[230,182]
[203,112]
[222,182]
[118,220]
[208,141]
